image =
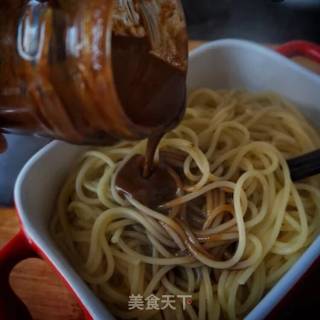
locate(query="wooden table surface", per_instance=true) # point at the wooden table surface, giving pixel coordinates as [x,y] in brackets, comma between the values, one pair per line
[43,293]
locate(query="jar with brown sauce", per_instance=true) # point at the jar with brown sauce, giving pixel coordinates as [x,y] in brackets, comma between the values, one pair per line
[92,71]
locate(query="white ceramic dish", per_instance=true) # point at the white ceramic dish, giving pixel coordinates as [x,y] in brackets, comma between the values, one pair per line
[220,64]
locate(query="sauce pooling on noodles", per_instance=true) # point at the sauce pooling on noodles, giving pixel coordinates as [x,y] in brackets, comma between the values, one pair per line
[236,225]
[156,189]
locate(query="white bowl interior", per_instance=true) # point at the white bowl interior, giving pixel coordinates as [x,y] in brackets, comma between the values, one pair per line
[238,64]
[36,191]
[220,64]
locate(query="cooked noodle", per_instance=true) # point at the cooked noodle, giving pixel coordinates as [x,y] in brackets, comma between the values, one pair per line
[236,227]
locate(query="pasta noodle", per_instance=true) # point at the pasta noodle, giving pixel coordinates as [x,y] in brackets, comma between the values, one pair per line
[236,226]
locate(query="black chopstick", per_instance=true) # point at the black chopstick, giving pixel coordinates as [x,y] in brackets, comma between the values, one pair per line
[304,166]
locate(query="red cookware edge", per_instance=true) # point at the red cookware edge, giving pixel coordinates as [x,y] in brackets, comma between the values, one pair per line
[21,247]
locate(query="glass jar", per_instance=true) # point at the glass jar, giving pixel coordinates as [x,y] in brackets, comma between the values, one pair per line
[92,71]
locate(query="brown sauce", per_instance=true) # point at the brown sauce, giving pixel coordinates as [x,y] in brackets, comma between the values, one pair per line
[152,145]
[152,92]
[158,188]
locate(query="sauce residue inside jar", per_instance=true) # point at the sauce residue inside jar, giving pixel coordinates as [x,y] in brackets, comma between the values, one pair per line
[152,92]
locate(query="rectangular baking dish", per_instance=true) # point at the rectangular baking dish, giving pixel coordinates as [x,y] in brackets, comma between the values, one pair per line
[220,64]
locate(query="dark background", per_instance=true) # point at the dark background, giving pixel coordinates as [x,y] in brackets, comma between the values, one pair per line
[268,21]
[265,21]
